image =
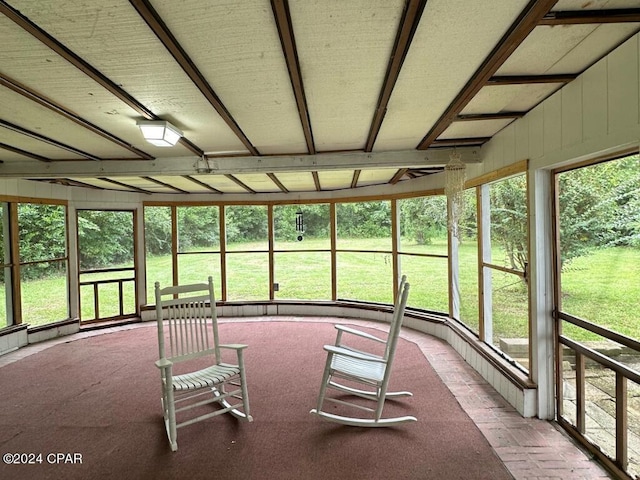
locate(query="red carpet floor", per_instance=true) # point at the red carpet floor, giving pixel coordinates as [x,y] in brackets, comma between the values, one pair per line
[98,399]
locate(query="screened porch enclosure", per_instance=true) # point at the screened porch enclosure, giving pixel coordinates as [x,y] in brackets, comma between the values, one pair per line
[317,142]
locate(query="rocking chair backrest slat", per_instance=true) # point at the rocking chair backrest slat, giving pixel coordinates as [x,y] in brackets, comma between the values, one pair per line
[396,319]
[191,321]
[396,323]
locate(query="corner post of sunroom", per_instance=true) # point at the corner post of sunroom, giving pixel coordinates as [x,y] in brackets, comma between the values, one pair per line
[72,252]
[541,287]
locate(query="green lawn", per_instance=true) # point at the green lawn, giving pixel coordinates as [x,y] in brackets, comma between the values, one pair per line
[603,287]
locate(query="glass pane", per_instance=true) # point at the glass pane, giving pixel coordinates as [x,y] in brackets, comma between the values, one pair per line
[365,276]
[509,229]
[246,228]
[364,225]
[43,288]
[198,267]
[302,227]
[247,276]
[105,239]
[599,217]
[304,276]
[41,232]
[157,238]
[510,316]
[468,263]
[429,280]
[423,225]
[198,229]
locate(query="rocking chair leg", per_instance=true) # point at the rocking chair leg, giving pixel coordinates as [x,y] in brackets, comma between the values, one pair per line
[245,395]
[381,397]
[324,384]
[192,329]
[170,413]
[367,369]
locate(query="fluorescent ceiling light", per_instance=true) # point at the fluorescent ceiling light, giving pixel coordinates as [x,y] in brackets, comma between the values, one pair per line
[159,132]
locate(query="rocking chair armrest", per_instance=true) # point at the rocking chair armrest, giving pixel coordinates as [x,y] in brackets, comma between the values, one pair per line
[164,363]
[233,346]
[353,331]
[350,353]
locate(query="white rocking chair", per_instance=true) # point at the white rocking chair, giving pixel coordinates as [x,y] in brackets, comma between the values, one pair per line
[351,366]
[191,331]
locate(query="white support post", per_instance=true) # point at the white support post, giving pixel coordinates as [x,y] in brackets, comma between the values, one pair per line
[72,249]
[486,294]
[541,287]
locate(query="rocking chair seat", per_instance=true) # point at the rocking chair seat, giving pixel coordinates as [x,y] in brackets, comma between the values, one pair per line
[207,377]
[356,364]
[190,337]
[369,369]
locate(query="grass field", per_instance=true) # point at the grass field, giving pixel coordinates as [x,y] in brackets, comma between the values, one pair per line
[603,287]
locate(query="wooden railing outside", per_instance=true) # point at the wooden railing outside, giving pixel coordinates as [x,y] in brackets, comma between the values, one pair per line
[95,284]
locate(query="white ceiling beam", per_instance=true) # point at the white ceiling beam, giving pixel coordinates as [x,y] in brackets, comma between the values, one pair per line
[192,165]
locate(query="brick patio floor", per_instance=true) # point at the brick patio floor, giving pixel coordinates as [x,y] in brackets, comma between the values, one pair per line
[531,449]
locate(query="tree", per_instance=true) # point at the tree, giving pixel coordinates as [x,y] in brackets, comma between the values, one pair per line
[246,223]
[42,237]
[508,200]
[97,230]
[364,219]
[157,230]
[198,227]
[424,218]
[599,207]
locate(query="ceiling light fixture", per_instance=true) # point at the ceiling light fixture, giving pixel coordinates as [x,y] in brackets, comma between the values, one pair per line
[159,132]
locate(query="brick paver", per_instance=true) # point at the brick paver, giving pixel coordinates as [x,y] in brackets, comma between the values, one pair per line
[532,449]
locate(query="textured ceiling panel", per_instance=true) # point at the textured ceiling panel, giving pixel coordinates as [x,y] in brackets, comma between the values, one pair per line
[545,48]
[36,118]
[12,157]
[593,5]
[240,50]
[29,62]
[144,184]
[600,42]
[428,83]
[182,183]
[336,179]
[375,177]
[342,89]
[96,182]
[220,182]
[239,73]
[475,129]
[32,145]
[297,182]
[113,38]
[258,182]
[509,98]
